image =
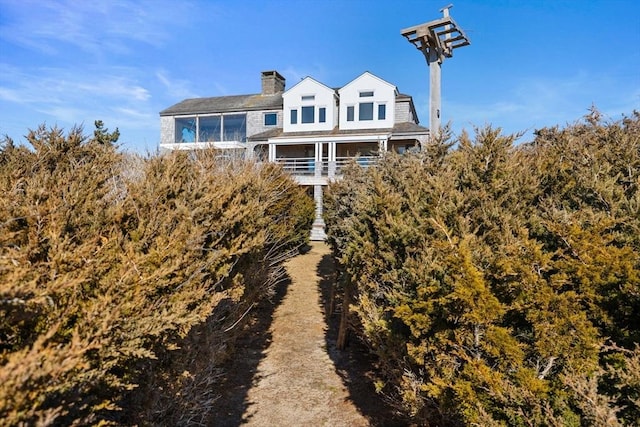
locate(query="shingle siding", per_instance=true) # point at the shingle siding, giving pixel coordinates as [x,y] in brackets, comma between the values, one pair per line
[403,112]
[255,121]
[167,130]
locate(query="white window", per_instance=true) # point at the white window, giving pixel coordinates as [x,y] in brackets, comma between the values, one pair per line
[382,111]
[322,115]
[350,113]
[308,114]
[294,117]
[365,111]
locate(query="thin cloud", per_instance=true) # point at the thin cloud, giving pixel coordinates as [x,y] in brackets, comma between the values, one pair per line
[91,26]
[176,88]
[69,96]
[533,103]
[53,85]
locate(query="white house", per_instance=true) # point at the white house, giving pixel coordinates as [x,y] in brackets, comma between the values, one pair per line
[311,129]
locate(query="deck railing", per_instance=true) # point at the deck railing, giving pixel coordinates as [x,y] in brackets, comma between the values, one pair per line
[298,165]
[308,166]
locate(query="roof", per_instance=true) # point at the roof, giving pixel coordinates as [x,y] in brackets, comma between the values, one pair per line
[373,76]
[225,104]
[399,129]
[311,79]
[406,128]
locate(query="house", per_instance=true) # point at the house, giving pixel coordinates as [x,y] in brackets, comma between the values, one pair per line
[313,130]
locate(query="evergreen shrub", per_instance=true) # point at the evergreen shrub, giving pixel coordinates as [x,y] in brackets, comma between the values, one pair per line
[124,279]
[497,283]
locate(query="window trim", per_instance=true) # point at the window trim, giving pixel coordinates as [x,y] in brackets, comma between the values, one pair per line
[360,107]
[306,119]
[382,107]
[351,113]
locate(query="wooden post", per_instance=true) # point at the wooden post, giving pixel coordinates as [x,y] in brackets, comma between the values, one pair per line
[343,329]
[436,40]
[435,99]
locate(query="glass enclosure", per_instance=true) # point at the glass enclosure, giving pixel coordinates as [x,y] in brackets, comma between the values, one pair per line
[228,127]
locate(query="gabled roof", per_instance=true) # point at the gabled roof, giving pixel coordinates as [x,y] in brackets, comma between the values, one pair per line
[368,74]
[310,79]
[225,104]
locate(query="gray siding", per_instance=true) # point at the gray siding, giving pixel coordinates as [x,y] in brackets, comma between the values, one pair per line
[403,112]
[255,121]
[167,130]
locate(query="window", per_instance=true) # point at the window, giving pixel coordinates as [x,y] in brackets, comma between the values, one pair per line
[186,129]
[209,129]
[308,114]
[322,115]
[366,111]
[234,127]
[308,97]
[350,113]
[366,94]
[294,117]
[270,119]
[382,111]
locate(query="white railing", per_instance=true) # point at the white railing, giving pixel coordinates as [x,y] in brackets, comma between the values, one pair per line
[309,166]
[298,165]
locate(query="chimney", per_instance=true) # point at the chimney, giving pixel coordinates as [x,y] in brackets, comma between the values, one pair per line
[272,83]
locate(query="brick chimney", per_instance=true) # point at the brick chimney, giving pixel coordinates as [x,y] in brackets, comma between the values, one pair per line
[272,83]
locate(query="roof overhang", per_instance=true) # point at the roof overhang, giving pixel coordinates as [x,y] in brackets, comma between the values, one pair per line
[310,139]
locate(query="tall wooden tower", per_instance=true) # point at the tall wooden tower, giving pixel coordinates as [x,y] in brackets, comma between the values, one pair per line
[436,40]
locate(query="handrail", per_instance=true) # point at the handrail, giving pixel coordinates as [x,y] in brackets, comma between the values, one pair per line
[309,166]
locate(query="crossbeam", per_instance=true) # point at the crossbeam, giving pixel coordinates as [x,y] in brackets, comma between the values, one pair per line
[436,40]
[440,36]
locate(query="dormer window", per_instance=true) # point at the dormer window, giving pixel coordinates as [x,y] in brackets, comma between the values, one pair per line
[308,114]
[315,105]
[365,111]
[382,111]
[350,113]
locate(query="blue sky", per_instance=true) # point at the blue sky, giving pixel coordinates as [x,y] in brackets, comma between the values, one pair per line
[530,63]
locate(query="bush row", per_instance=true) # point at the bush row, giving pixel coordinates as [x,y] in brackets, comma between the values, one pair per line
[499,284]
[123,279]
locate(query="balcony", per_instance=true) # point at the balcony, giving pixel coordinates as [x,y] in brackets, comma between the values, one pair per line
[309,167]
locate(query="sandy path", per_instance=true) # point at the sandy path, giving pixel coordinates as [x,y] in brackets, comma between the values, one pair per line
[295,383]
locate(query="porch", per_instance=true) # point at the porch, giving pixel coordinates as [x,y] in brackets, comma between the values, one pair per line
[323,159]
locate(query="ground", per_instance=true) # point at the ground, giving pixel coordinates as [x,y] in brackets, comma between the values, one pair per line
[287,370]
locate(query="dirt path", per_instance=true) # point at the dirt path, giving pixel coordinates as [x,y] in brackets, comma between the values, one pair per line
[287,371]
[297,383]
